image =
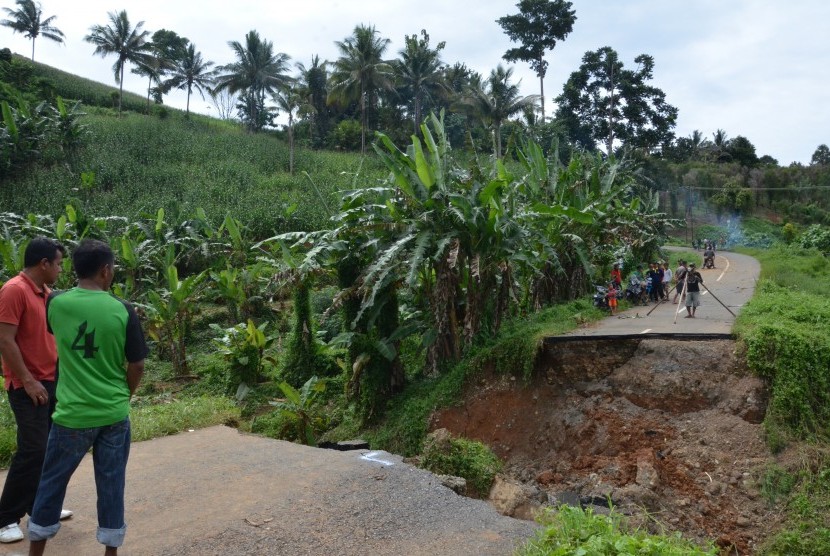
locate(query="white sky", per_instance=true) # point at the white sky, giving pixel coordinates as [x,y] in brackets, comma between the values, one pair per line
[757,68]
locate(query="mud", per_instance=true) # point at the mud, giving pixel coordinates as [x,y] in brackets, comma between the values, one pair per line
[668,431]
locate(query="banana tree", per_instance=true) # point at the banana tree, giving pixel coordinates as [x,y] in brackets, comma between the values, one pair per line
[169,313]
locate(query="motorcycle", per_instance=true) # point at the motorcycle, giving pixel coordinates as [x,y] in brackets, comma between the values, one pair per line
[709,259]
[601,298]
[635,293]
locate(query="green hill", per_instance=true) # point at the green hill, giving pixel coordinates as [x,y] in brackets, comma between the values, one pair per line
[137,163]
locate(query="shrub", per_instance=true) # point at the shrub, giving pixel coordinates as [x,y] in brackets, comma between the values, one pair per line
[572,530]
[465,458]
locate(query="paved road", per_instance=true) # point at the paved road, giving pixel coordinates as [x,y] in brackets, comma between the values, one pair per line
[732,281]
[218,492]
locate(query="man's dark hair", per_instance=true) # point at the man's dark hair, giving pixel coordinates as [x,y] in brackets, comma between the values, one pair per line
[41,248]
[90,256]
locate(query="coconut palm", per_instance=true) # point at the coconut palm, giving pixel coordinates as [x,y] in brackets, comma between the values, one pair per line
[189,72]
[313,81]
[497,99]
[122,39]
[289,101]
[256,72]
[418,72]
[361,72]
[27,20]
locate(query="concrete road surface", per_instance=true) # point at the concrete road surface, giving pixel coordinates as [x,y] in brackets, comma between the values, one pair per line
[732,281]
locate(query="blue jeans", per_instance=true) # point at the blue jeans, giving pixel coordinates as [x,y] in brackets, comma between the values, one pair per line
[64,452]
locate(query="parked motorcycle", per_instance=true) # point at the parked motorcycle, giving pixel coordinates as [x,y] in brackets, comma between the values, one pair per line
[635,292]
[601,297]
[709,259]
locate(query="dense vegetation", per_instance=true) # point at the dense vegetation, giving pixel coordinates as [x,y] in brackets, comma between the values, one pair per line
[309,294]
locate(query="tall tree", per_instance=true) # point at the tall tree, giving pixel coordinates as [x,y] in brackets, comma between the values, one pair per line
[163,51]
[27,20]
[313,83]
[537,26]
[418,72]
[603,102]
[256,72]
[821,156]
[128,43]
[190,71]
[361,72]
[288,100]
[497,100]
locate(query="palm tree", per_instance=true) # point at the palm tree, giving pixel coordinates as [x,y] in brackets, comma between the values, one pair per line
[120,38]
[419,73]
[27,20]
[189,72]
[361,71]
[256,71]
[497,99]
[288,100]
[313,83]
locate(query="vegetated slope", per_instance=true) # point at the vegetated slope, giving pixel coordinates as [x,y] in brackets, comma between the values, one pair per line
[138,164]
[89,92]
[666,430]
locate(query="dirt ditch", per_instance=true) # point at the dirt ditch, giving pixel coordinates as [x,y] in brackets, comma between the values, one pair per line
[668,430]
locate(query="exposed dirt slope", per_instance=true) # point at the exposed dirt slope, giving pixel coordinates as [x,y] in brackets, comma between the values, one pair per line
[669,427]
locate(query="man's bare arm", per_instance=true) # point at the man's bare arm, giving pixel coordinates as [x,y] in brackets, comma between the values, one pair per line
[134,373]
[14,361]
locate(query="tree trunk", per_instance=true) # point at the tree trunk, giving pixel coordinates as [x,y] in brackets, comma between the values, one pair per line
[33,49]
[445,347]
[542,91]
[362,120]
[290,144]
[120,89]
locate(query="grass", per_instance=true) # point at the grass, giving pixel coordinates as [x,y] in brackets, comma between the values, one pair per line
[174,416]
[141,164]
[570,531]
[784,331]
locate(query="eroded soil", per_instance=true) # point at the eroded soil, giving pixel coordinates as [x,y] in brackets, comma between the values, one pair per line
[668,430]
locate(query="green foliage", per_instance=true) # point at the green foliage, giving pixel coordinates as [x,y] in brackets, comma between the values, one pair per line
[243,346]
[777,483]
[464,458]
[169,311]
[816,237]
[8,433]
[784,331]
[142,164]
[302,405]
[513,352]
[151,420]
[304,357]
[807,526]
[570,530]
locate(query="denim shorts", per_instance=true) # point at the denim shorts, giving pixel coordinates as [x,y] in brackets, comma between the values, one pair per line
[64,452]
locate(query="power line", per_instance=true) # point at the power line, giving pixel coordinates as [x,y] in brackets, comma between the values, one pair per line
[799,188]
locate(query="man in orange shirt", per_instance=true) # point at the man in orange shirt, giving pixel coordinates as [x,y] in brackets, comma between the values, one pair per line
[29,370]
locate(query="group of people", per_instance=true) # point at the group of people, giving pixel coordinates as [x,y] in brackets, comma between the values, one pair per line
[62,413]
[656,284]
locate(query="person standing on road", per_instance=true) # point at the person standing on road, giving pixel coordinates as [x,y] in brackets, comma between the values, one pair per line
[95,333]
[667,275]
[679,276]
[616,275]
[693,282]
[29,372]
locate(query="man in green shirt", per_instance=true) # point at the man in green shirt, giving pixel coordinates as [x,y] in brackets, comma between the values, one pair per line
[95,333]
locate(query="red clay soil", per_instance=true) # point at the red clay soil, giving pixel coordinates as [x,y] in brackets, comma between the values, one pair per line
[669,430]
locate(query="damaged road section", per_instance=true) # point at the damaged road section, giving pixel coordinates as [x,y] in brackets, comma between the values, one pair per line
[667,430]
